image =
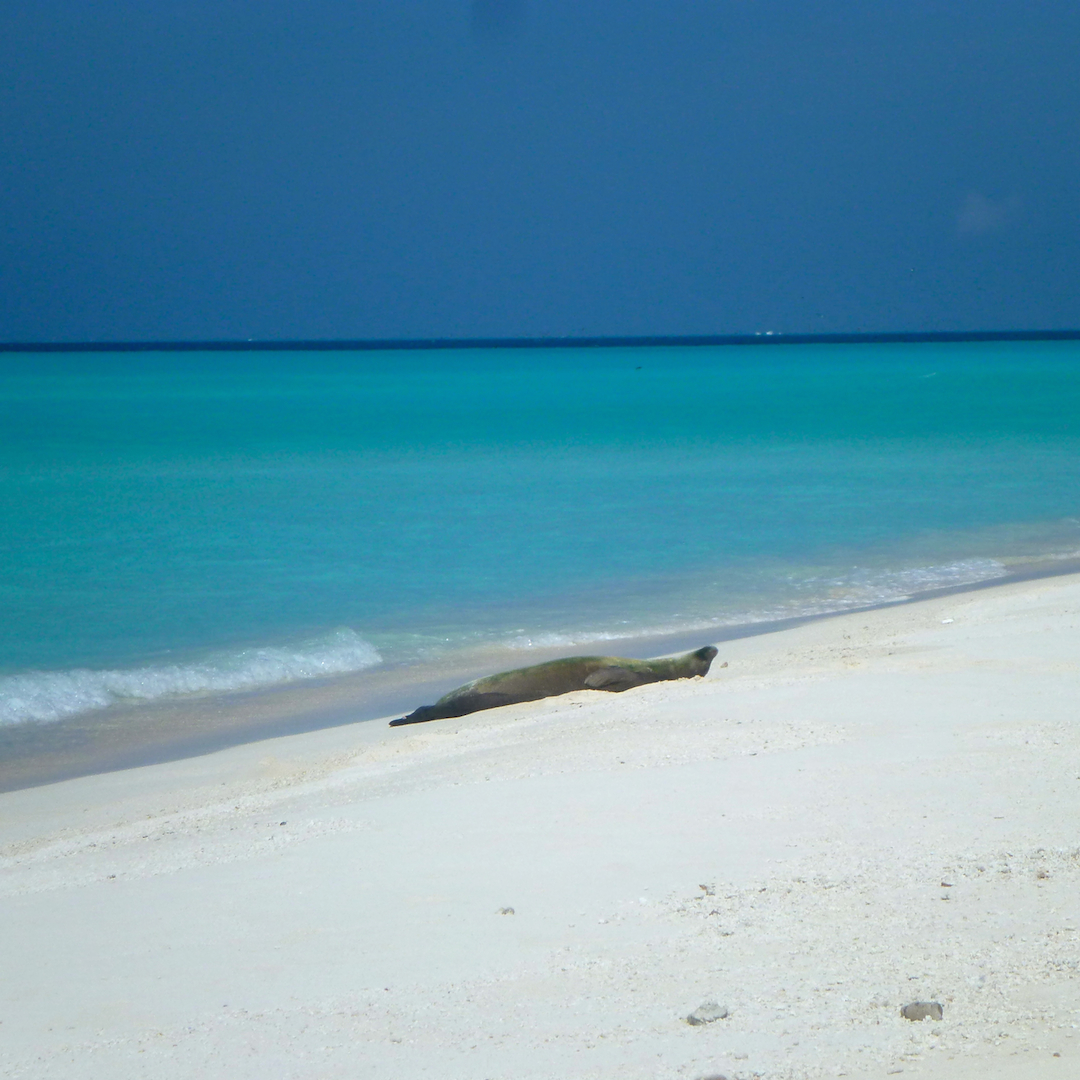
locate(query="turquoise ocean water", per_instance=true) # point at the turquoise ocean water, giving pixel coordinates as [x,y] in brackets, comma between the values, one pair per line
[184,523]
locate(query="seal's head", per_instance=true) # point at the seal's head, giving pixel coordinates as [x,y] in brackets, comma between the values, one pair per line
[703,658]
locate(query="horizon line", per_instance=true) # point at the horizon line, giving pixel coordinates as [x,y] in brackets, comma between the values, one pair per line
[769,337]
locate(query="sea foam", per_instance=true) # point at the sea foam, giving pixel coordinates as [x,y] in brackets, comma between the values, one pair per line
[806,595]
[52,695]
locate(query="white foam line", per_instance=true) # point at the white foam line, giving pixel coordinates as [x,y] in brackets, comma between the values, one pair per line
[45,696]
[862,588]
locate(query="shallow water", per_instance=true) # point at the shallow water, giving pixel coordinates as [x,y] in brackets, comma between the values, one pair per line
[186,523]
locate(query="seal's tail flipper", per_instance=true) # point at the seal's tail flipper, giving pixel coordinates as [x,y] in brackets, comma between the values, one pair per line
[420,716]
[460,705]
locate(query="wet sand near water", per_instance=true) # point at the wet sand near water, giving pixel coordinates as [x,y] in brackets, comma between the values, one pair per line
[137,734]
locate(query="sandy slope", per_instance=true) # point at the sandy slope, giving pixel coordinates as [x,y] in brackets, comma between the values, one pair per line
[852,815]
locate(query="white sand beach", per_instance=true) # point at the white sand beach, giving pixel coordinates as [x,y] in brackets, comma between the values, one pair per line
[850,816]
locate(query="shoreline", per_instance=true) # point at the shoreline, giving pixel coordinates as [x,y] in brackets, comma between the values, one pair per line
[133,736]
[859,812]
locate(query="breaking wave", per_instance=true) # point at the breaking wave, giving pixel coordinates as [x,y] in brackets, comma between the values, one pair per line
[52,695]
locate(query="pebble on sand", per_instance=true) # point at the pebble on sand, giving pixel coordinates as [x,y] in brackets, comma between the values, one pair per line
[920,1010]
[707,1013]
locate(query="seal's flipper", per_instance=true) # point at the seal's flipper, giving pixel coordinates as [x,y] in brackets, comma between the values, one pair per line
[458,706]
[421,716]
[613,679]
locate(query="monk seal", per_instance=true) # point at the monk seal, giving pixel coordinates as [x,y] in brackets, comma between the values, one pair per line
[611,673]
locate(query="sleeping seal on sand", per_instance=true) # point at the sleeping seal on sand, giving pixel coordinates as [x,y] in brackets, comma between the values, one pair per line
[611,673]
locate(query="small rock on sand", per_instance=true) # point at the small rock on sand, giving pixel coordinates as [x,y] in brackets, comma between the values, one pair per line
[921,1010]
[707,1013]
[506,911]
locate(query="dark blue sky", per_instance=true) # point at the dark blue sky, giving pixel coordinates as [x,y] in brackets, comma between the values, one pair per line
[401,168]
